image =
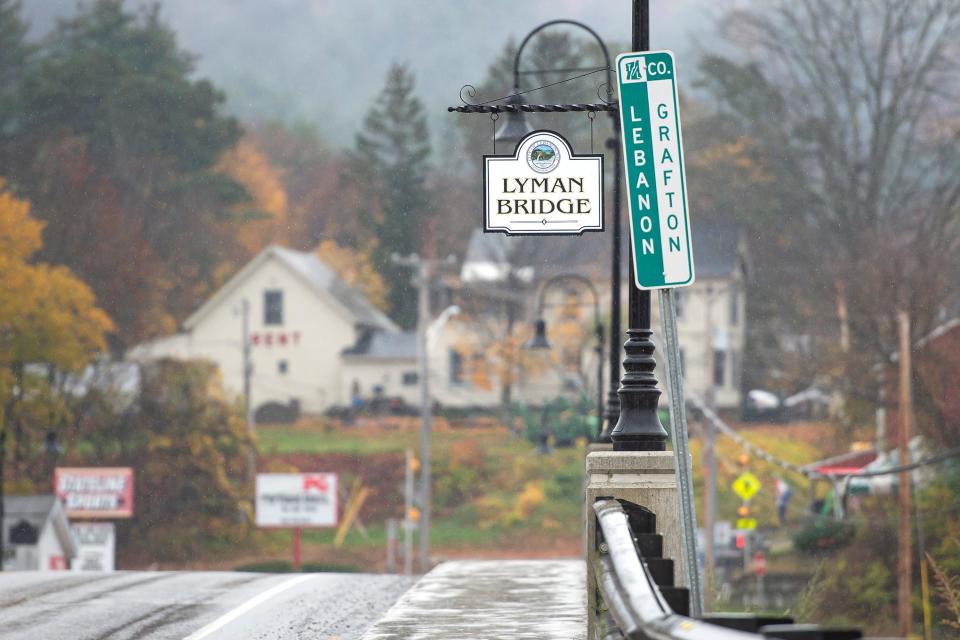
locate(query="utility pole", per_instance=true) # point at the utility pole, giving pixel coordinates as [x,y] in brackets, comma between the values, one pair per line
[423,268]
[904,559]
[408,522]
[709,454]
[247,384]
[3,495]
[423,319]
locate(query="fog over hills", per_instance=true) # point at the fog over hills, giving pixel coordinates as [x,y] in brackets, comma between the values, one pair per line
[322,61]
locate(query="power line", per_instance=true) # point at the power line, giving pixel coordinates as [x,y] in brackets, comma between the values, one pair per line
[811,474]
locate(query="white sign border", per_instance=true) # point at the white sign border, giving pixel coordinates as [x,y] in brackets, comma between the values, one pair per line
[516,156]
[336,500]
[682,162]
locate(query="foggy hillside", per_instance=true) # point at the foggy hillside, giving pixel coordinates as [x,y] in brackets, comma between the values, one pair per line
[287,59]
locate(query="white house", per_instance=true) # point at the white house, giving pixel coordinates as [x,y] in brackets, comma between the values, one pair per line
[711,313]
[36,534]
[301,318]
[382,364]
[711,316]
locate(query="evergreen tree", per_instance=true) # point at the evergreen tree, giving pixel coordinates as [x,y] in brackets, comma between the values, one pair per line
[15,55]
[118,148]
[392,154]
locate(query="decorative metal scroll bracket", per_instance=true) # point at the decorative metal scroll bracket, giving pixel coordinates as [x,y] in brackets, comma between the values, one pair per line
[532,108]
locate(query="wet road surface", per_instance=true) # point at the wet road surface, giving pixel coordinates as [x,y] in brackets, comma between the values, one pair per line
[193,605]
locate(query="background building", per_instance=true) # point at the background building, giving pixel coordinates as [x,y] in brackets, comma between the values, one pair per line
[36,534]
[301,316]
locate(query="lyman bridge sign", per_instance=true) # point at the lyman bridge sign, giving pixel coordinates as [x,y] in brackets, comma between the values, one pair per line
[543,188]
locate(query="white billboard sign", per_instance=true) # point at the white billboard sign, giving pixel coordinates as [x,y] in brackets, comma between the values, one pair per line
[296,500]
[543,188]
[96,546]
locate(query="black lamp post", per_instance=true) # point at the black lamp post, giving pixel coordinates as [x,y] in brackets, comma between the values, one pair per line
[638,428]
[609,418]
[539,340]
[634,407]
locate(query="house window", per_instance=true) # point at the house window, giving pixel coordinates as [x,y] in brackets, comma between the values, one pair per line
[735,369]
[719,367]
[282,367]
[273,307]
[734,306]
[456,367]
[410,378]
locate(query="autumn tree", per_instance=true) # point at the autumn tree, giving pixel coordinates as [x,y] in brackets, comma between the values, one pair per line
[857,101]
[356,269]
[48,319]
[262,220]
[391,154]
[113,125]
[189,446]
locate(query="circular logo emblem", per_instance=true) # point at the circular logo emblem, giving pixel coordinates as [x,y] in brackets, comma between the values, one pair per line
[543,156]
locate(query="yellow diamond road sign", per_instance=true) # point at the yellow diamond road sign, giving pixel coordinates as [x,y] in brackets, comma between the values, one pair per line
[746,486]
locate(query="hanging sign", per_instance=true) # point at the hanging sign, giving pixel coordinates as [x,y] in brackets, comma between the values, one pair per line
[543,188]
[653,162]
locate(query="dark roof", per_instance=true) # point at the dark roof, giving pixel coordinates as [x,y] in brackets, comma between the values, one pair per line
[399,345]
[323,277]
[317,274]
[34,509]
[716,250]
[546,254]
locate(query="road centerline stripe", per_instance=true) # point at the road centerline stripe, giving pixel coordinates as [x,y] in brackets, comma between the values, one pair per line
[252,603]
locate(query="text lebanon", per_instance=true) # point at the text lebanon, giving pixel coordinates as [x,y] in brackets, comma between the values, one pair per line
[643,199]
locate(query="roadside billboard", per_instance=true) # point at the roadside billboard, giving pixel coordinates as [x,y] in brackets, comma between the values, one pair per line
[95,492]
[296,500]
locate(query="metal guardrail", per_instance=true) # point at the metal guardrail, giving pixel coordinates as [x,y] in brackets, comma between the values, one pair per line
[632,598]
[633,606]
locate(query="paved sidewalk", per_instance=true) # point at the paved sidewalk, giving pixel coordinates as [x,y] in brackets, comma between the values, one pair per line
[491,600]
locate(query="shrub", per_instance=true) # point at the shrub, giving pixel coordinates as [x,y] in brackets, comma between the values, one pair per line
[824,535]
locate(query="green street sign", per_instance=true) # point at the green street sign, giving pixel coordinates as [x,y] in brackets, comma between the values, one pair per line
[653,164]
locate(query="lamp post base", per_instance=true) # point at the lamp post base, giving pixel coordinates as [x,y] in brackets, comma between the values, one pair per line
[639,427]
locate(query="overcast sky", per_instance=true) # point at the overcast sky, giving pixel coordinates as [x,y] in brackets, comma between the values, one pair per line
[322,61]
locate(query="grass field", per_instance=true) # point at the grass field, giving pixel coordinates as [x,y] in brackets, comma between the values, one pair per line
[493,492]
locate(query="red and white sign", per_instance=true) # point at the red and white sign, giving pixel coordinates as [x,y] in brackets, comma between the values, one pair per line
[297,500]
[760,564]
[95,492]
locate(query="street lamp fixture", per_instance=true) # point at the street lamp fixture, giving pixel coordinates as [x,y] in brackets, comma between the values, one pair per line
[539,340]
[516,126]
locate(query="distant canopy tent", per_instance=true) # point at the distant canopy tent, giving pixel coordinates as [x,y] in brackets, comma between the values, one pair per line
[845,464]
